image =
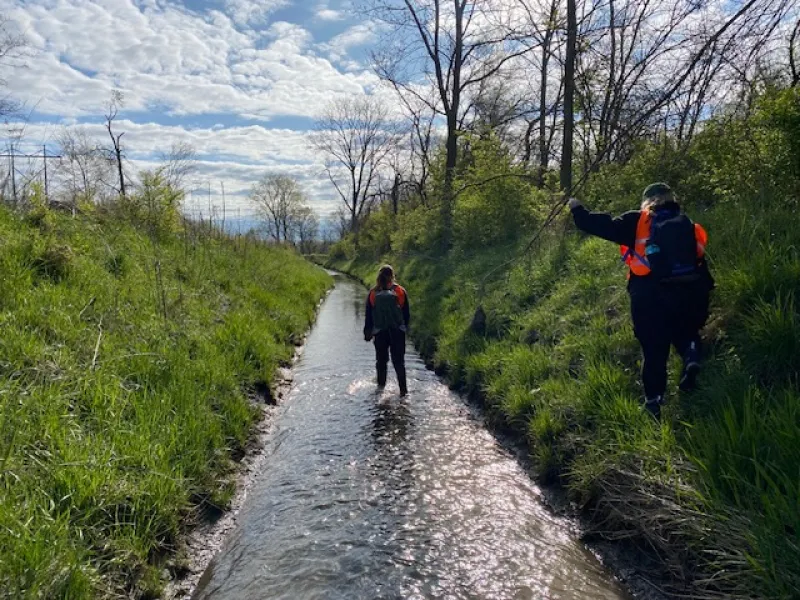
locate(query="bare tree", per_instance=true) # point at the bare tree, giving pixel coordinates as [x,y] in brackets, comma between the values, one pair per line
[340,222]
[356,137]
[83,166]
[569,96]
[114,104]
[647,63]
[421,144]
[456,46]
[13,48]
[794,42]
[179,163]
[278,199]
[306,228]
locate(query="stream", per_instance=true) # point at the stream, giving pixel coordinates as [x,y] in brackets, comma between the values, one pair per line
[368,495]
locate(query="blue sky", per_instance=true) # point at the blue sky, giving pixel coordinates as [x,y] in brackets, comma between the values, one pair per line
[240,80]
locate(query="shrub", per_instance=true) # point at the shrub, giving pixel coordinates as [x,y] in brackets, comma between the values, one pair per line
[156,208]
[494,202]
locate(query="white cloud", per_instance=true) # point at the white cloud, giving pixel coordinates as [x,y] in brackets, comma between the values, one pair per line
[324,12]
[169,59]
[163,55]
[252,12]
[361,34]
[327,14]
[235,157]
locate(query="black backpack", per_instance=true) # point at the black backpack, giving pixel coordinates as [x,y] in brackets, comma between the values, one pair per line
[671,249]
[386,313]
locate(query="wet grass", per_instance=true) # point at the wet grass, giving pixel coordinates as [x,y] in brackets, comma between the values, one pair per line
[712,490]
[125,365]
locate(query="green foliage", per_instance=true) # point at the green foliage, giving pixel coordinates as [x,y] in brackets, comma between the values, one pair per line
[417,229]
[156,208]
[494,206]
[374,237]
[343,250]
[115,423]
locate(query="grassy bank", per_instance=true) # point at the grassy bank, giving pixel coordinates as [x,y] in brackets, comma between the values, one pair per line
[713,491]
[127,356]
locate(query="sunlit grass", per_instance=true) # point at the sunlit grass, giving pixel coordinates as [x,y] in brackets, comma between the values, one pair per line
[124,399]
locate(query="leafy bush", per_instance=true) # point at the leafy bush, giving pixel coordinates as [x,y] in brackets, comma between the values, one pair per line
[374,237]
[156,207]
[493,203]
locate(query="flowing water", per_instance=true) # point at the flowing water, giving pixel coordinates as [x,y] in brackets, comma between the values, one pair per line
[369,495]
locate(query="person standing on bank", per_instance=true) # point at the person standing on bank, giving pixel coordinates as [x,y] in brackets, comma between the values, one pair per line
[668,281]
[386,323]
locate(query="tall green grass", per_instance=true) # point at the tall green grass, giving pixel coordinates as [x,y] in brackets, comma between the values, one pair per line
[126,361]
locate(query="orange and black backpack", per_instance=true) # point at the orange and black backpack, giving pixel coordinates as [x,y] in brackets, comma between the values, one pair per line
[668,245]
[387,307]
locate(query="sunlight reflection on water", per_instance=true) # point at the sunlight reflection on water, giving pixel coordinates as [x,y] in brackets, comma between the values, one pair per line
[367,495]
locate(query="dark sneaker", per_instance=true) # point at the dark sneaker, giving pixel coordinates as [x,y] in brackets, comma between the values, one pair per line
[689,376]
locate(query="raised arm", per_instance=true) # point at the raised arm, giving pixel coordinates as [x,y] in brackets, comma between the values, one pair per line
[620,230]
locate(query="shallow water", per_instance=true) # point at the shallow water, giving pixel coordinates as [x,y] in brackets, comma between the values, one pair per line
[367,495]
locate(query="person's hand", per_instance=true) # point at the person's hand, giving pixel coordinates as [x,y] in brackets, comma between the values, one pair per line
[574,203]
[367,336]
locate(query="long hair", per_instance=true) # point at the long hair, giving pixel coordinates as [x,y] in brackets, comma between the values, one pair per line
[385,277]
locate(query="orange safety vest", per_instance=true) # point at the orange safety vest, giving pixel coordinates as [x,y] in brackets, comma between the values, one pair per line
[635,258]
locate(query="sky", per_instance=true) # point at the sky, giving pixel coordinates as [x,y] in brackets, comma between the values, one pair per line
[240,80]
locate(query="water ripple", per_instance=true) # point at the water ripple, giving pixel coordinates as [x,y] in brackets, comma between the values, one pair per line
[367,495]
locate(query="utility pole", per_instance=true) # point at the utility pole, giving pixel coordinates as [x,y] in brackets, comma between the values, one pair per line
[12,155]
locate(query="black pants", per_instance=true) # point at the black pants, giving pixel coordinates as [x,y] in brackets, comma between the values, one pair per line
[391,341]
[664,316]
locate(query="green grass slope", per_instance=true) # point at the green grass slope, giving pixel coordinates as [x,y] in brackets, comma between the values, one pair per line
[126,360]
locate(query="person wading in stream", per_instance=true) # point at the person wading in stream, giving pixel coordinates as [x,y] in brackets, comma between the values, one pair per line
[668,281]
[386,323]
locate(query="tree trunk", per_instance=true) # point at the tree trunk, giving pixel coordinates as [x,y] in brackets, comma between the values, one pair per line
[793,67]
[569,95]
[447,189]
[395,193]
[544,145]
[118,152]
